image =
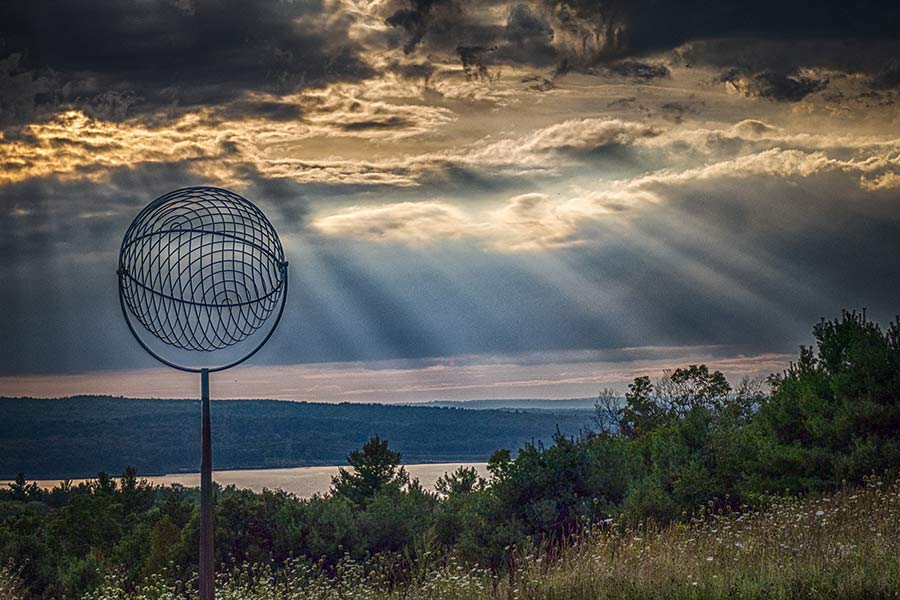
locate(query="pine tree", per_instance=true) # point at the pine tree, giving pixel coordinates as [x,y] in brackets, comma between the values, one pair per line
[374,467]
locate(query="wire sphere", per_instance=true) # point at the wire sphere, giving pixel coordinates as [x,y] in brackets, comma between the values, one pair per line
[202,269]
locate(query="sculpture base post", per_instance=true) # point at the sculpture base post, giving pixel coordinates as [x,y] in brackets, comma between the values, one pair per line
[207,572]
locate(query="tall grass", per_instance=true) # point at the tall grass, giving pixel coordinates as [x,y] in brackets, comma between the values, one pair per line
[845,545]
[10,584]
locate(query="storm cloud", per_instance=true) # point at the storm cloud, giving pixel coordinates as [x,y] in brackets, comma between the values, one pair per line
[585,31]
[622,26]
[115,58]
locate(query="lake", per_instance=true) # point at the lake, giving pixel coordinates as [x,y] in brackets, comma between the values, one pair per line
[302,481]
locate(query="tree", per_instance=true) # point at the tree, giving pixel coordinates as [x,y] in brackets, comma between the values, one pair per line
[164,536]
[137,493]
[105,484]
[464,480]
[642,412]
[23,491]
[834,414]
[685,389]
[374,467]
[608,411]
[649,405]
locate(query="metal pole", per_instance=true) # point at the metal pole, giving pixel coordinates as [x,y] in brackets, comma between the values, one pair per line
[207,572]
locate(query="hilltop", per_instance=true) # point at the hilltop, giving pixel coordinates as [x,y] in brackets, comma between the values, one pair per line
[515,404]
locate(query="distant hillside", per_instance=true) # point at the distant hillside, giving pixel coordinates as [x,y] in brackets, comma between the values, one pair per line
[80,436]
[515,404]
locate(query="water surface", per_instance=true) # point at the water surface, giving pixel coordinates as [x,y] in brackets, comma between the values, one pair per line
[302,481]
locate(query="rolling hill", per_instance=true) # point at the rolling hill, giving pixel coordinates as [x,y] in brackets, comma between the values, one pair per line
[82,435]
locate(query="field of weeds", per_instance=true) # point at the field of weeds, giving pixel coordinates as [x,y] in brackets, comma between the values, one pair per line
[844,545]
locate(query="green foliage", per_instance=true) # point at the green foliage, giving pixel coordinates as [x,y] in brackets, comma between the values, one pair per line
[648,406]
[834,415]
[842,545]
[23,491]
[462,481]
[374,467]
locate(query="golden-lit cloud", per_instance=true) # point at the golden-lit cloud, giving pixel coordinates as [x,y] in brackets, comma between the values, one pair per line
[536,221]
[885,181]
[409,222]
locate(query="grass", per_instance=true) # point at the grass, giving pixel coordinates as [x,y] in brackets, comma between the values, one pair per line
[845,546]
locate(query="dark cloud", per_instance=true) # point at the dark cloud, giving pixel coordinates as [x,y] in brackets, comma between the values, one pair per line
[787,69]
[22,91]
[527,39]
[783,87]
[414,20]
[789,88]
[538,83]
[273,111]
[621,27]
[115,58]
[641,71]
[112,105]
[888,78]
[422,70]
[676,110]
[455,27]
[770,39]
[755,55]
[523,26]
[475,61]
[443,24]
[394,122]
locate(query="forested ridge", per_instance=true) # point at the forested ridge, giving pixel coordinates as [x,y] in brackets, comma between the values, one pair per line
[80,436]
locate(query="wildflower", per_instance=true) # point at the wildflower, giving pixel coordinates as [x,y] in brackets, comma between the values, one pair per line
[819,513]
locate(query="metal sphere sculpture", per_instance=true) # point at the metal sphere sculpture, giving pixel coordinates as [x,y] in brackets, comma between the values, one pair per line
[202,269]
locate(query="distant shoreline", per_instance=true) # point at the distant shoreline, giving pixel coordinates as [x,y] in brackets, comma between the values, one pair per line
[301,481]
[79,437]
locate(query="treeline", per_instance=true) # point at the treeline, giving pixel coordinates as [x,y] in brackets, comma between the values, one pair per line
[679,446]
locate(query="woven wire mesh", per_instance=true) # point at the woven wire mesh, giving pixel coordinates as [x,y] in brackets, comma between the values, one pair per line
[201,268]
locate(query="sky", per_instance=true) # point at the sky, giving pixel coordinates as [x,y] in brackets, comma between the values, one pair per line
[478,199]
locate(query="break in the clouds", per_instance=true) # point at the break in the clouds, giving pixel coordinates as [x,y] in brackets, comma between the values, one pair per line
[552,195]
